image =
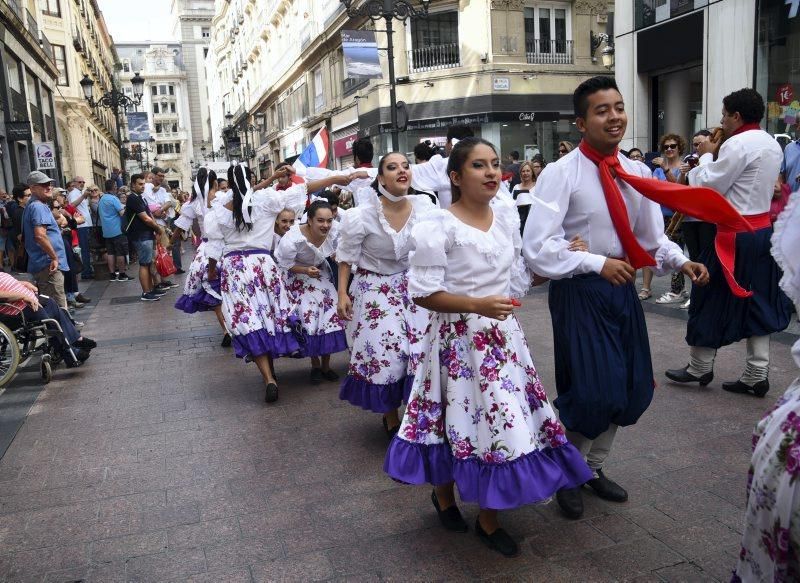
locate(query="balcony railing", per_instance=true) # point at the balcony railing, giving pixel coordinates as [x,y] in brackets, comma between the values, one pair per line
[30,20]
[47,48]
[19,108]
[549,52]
[434,57]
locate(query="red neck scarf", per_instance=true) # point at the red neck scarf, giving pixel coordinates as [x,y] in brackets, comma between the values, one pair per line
[746,128]
[283,186]
[699,202]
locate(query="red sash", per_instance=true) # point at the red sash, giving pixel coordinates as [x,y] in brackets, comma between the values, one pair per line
[699,202]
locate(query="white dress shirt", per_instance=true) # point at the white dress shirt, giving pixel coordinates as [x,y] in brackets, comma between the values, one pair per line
[569,201]
[744,172]
[82,208]
[160,197]
[267,204]
[194,209]
[368,241]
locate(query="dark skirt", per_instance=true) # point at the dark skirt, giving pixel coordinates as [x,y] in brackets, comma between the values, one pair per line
[717,317]
[604,373]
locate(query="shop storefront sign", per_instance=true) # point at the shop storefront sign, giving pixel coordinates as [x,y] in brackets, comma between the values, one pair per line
[45,156]
[785,94]
[344,146]
[526,116]
[501,83]
[18,131]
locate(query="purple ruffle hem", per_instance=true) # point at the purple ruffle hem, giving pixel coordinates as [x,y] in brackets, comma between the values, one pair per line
[375,398]
[322,344]
[526,480]
[202,301]
[261,342]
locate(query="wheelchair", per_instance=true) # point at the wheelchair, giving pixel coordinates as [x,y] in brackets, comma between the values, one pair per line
[20,338]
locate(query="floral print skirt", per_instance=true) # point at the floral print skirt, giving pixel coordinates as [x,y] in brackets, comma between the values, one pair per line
[478,415]
[385,337]
[256,305]
[199,295]
[316,300]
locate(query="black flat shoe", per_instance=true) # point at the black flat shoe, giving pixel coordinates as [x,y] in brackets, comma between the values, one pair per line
[390,432]
[272,393]
[682,375]
[570,500]
[450,517]
[330,375]
[226,341]
[85,343]
[499,541]
[607,489]
[759,389]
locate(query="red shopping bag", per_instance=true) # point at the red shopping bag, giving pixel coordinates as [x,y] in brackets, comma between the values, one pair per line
[164,264]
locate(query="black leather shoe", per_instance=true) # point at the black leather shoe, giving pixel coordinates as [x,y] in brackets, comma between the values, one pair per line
[499,540]
[226,341]
[390,432]
[330,375]
[272,393]
[450,517]
[682,375]
[607,489]
[85,343]
[570,500]
[759,389]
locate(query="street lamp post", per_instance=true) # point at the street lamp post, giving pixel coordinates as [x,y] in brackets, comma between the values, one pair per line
[116,101]
[388,10]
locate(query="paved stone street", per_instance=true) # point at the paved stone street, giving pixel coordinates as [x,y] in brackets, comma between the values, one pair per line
[160,461]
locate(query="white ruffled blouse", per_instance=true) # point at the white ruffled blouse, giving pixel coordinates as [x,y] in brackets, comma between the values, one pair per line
[295,249]
[451,256]
[267,204]
[368,241]
[195,209]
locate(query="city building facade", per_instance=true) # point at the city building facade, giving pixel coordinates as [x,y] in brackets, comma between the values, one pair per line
[506,67]
[714,48]
[28,75]
[82,46]
[166,102]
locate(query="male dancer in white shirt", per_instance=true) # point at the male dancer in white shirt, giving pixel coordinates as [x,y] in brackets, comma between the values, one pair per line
[743,166]
[604,374]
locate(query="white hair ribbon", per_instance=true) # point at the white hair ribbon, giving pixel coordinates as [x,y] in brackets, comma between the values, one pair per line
[389,195]
[247,199]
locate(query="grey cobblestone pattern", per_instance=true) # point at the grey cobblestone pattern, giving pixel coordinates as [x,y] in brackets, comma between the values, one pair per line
[159,461]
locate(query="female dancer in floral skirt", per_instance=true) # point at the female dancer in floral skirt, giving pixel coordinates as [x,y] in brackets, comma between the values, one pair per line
[385,326]
[255,302]
[200,294]
[477,415]
[303,252]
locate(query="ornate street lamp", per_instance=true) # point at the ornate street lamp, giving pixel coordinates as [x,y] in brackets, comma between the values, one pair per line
[607,54]
[116,101]
[388,10]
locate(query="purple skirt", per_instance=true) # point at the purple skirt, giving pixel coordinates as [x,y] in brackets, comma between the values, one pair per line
[201,301]
[375,398]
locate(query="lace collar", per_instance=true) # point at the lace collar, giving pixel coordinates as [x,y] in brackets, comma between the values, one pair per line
[325,250]
[491,243]
[399,238]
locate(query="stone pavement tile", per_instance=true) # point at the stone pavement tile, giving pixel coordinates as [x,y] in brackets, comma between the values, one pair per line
[684,573]
[52,526]
[242,575]
[202,534]
[243,552]
[165,566]
[582,567]
[698,477]
[244,503]
[563,538]
[649,518]
[306,567]
[635,557]
[165,517]
[113,572]
[701,539]
[197,492]
[720,566]
[40,561]
[689,508]
[128,546]
[617,527]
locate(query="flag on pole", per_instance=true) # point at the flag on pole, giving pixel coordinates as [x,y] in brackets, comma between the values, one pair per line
[316,153]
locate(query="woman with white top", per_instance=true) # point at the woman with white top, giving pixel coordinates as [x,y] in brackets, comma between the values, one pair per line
[385,327]
[200,294]
[303,252]
[477,415]
[523,192]
[258,310]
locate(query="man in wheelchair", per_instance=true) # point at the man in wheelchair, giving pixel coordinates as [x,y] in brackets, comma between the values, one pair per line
[21,306]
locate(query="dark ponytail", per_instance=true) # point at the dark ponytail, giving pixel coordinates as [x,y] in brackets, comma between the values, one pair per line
[199,188]
[237,181]
[458,157]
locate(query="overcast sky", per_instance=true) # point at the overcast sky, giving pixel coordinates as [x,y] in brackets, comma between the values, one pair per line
[139,20]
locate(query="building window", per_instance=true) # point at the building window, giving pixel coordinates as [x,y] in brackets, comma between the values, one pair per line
[158,128]
[548,34]
[172,89]
[172,108]
[154,90]
[434,42]
[61,64]
[319,90]
[205,32]
[126,66]
[51,7]
[155,108]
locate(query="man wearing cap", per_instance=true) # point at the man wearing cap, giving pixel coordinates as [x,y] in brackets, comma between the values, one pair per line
[47,259]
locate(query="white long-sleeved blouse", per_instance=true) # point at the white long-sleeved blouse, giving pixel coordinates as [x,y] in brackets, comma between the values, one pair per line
[569,201]
[295,249]
[368,240]
[451,256]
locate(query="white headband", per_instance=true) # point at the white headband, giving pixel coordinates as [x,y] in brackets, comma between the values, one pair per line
[247,199]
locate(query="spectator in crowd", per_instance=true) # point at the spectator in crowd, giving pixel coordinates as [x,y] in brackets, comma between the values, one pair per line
[111,210]
[780,197]
[790,169]
[6,243]
[636,155]
[122,194]
[21,195]
[116,176]
[141,228]
[698,235]
[512,166]
[47,259]
[564,148]
[78,197]
[24,298]
[363,152]
[668,168]
[162,207]
[537,165]
[68,218]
